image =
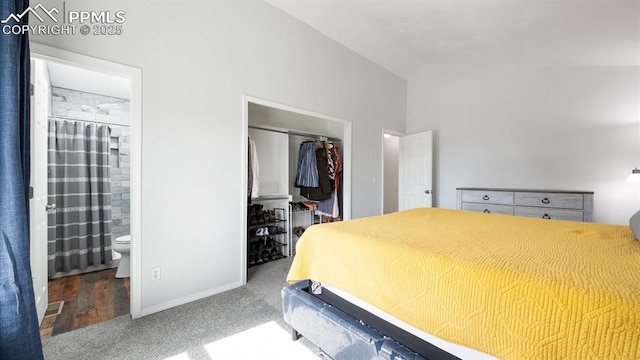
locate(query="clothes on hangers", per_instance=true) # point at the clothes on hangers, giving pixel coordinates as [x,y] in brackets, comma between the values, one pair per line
[323,171]
[307,172]
[329,168]
[330,162]
[330,206]
[249,172]
[254,171]
[337,163]
[323,190]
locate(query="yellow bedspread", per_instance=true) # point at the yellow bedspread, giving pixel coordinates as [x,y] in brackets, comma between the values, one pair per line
[512,287]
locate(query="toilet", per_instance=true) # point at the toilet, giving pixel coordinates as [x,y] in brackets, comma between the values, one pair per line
[122,245]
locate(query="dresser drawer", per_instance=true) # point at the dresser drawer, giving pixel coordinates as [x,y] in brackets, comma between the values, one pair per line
[540,203]
[548,213]
[488,197]
[550,200]
[489,208]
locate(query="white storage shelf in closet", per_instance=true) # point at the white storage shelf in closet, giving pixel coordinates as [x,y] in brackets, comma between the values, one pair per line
[300,218]
[267,235]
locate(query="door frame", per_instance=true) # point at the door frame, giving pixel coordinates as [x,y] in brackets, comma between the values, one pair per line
[38,190]
[346,165]
[134,74]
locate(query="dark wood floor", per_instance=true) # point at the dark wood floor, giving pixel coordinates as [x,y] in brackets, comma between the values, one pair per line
[88,299]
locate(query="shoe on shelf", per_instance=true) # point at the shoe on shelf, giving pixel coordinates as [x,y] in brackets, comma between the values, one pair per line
[267,216]
[263,231]
[251,215]
[266,256]
[259,217]
[298,230]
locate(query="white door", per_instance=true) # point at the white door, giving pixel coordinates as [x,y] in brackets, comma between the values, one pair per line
[38,202]
[415,168]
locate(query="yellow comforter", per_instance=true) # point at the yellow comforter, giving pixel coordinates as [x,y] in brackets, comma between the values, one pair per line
[512,287]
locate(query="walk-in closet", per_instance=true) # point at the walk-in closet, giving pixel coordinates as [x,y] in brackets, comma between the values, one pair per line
[295,178]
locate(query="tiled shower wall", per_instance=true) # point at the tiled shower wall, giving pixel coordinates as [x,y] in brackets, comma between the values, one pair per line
[81,105]
[86,106]
[120,180]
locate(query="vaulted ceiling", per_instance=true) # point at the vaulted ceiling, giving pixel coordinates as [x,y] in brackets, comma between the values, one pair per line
[405,35]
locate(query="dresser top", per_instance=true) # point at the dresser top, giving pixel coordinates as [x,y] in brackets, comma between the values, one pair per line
[526,190]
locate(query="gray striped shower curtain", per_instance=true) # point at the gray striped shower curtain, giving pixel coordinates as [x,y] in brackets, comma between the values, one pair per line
[79,228]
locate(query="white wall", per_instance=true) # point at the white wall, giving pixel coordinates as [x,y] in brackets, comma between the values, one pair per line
[198,58]
[574,128]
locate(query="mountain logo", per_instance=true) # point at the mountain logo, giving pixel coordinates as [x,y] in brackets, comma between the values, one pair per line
[34,12]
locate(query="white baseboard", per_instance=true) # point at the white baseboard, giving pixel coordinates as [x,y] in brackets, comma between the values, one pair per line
[187,299]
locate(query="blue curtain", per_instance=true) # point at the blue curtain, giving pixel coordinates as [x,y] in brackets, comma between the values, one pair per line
[19,334]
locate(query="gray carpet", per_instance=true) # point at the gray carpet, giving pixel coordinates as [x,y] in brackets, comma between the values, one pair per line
[244,323]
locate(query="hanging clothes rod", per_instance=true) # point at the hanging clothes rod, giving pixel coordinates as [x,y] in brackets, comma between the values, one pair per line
[60,117]
[298,133]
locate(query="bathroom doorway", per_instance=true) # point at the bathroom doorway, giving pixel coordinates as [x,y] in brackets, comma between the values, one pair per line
[390,171]
[407,167]
[85,175]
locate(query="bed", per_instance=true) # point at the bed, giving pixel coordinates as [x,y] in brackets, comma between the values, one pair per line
[458,284]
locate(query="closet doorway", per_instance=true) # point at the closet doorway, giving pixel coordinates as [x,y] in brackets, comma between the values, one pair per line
[275,135]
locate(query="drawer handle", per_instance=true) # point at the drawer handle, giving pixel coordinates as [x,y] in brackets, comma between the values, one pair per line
[486,211]
[545,201]
[485,197]
[546,216]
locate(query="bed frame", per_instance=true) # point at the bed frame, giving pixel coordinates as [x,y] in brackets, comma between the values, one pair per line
[342,330]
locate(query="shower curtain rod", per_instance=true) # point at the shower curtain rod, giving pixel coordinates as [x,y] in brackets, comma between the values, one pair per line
[298,133]
[60,117]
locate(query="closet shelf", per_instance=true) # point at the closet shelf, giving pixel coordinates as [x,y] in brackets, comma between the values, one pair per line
[263,237]
[266,224]
[300,211]
[273,197]
[265,248]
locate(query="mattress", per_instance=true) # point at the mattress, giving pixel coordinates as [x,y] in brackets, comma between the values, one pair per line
[510,287]
[457,350]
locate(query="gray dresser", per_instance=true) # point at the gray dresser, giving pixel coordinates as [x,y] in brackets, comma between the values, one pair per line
[545,204]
